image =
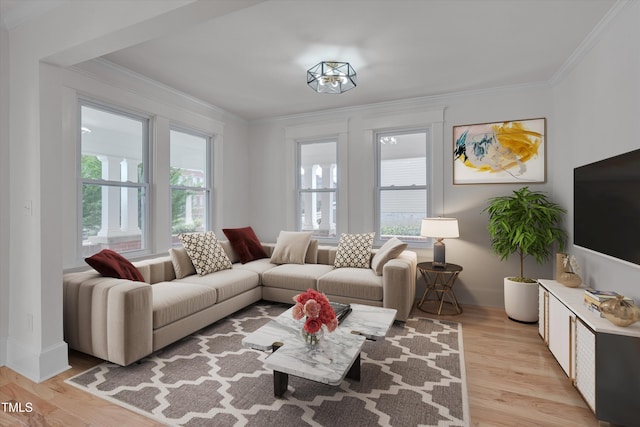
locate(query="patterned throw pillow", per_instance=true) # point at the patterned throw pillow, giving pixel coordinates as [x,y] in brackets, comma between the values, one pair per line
[354,250]
[205,251]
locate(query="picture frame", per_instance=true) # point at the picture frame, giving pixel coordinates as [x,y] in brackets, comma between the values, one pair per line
[507,152]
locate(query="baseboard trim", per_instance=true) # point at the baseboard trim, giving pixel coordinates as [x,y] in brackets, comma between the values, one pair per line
[37,365]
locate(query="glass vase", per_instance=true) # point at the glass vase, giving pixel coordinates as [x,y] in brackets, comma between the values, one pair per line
[312,339]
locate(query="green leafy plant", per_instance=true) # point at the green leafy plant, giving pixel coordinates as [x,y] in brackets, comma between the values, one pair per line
[526,223]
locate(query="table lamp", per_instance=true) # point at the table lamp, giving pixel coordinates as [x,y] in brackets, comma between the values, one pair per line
[439,228]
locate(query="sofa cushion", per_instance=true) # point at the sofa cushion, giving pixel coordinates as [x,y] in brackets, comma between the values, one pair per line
[291,247]
[294,276]
[352,282]
[111,264]
[156,270]
[227,283]
[390,250]
[245,243]
[205,252]
[258,266]
[173,301]
[327,255]
[354,250]
[182,264]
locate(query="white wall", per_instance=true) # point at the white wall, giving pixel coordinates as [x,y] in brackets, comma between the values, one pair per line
[4,193]
[73,33]
[597,110]
[481,281]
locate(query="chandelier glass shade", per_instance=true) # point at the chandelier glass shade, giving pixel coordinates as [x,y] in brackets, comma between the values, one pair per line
[331,77]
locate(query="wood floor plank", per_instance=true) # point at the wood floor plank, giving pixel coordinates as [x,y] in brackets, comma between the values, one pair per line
[512,380]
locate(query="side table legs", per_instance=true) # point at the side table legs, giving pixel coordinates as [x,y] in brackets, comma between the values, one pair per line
[441,284]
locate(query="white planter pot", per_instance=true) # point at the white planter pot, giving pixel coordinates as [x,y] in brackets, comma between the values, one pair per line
[521,301]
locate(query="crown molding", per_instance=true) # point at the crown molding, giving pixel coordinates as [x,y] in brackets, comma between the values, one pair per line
[590,41]
[430,101]
[134,76]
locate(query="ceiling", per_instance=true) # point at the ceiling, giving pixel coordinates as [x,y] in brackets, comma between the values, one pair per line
[253,62]
[15,12]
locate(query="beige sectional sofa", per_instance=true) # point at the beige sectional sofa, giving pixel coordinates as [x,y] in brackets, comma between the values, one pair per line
[123,321]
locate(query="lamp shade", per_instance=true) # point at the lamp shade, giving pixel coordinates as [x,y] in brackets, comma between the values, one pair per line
[440,228]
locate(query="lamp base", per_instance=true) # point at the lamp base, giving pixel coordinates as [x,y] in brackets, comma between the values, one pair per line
[439,254]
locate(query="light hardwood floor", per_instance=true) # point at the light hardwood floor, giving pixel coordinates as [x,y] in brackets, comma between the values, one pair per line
[512,380]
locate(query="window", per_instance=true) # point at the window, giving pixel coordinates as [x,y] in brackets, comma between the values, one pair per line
[190,181]
[317,185]
[114,179]
[401,183]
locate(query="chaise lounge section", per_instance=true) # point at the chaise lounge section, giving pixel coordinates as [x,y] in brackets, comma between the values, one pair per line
[122,321]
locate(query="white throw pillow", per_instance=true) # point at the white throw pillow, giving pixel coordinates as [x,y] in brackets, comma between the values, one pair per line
[205,251]
[390,250]
[354,250]
[182,264]
[291,247]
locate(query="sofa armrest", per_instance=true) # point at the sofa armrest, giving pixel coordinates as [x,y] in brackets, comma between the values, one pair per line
[108,318]
[399,284]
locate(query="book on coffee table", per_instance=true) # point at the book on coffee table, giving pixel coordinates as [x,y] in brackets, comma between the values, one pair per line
[341,310]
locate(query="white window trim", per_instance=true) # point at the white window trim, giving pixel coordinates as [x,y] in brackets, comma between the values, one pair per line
[300,190]
[209,180]
[427,187]
[147,240]
[337,130]
[432,119]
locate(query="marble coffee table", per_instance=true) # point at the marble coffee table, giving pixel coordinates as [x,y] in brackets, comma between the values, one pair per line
[336,357]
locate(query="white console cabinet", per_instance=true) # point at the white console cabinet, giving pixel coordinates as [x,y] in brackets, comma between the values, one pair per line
[601,359]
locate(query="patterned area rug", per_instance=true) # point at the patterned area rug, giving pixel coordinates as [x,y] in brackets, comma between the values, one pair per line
[414,377]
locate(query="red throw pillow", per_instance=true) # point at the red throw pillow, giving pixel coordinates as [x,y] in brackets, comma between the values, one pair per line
[245,243]
[112,264]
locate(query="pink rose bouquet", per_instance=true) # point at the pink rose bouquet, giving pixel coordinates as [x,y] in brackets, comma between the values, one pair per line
[315,306]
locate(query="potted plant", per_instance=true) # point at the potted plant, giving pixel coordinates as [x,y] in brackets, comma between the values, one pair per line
[526,223]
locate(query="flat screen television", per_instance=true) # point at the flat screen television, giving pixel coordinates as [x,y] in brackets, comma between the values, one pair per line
[606,206]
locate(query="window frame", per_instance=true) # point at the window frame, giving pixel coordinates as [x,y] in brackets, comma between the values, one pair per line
[145,185]
[208,188]
[300,191]
[379,188]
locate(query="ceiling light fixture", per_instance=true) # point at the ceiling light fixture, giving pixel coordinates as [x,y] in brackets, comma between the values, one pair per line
[331,77]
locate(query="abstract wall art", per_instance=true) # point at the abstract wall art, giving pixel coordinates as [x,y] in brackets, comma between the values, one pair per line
[500,152]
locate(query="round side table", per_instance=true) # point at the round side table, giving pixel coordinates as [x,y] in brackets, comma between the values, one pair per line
[439,281]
